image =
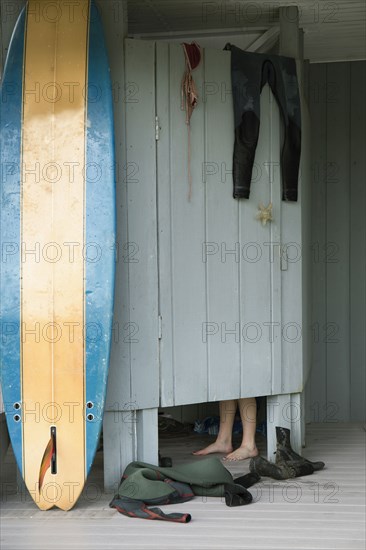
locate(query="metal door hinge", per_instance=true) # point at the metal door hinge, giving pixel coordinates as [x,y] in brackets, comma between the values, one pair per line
[157,128]
[160,327]
[283,258]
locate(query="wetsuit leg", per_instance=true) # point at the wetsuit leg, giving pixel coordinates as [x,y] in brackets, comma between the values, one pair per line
[246,84]
[285,89]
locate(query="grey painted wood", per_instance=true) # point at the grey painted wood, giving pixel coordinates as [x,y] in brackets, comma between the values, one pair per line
[334,31]
[306,285]
[147,441]
[133,377]
[165,240]
[119,445]
[324,511]
[278,292]
[293,323]
[258,304]
[220,252]
[357,242]
[338,376]
[338,200]
[141,253]
[290,40]
[182,272]
[225,331]
[188,233]
[318,378]
[296,345]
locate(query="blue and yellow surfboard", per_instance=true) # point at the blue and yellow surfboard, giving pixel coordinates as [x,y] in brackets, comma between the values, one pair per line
[57,244]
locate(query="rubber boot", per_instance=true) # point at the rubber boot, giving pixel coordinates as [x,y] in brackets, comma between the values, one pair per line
[284,470]
[285,453]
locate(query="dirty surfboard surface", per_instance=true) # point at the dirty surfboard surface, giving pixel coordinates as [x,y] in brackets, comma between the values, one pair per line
[57,244]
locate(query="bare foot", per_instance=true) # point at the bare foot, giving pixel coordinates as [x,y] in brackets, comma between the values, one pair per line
[216,447]
[242,453]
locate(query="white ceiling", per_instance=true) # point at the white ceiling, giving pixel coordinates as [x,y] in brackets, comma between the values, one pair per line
[333,30]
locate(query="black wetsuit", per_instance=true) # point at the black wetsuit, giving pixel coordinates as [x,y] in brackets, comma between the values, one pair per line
[249,73]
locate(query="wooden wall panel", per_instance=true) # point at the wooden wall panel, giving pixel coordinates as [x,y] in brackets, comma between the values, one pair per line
[338,238]
[358,242]
[337,383]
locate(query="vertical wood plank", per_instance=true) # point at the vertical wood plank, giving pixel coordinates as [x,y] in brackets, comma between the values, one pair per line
[164,225]
[274,266]
[141,251]
[147,436]
[188,234]
[296,280]
[305,287]
[255,268]
[338,201]
[119,446]
[318,378]
[221,252]
[291,359]
[358,242]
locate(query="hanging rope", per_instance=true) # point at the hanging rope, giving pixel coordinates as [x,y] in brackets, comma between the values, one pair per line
[192,53]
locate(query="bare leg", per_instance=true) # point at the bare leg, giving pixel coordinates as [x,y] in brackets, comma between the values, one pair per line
[223,443]
[248,414]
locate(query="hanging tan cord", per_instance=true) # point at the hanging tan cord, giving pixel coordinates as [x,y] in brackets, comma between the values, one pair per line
[192,53]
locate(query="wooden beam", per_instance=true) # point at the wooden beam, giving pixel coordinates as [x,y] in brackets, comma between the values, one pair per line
[181,35]
[265,42]
[289,31]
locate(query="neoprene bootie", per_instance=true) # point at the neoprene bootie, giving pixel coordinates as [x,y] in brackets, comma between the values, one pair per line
[282,470]
[285,453]
[247,480]
[236,495]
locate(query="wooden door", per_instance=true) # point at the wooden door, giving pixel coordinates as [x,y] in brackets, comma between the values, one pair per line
[228,312]
[219,267]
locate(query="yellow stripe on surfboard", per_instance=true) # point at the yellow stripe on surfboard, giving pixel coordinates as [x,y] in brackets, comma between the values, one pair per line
[53,214]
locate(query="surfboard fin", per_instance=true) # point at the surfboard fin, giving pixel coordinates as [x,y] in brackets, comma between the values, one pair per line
[49,458]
